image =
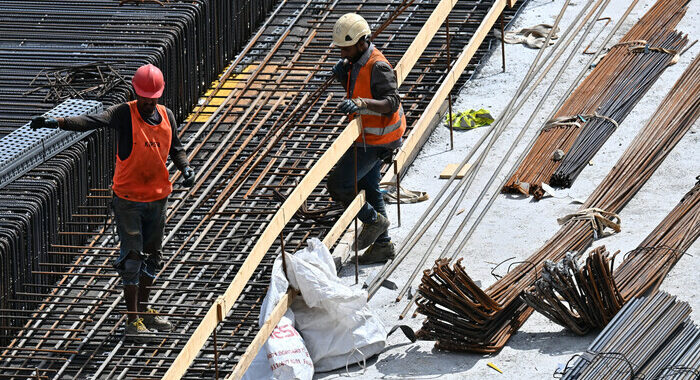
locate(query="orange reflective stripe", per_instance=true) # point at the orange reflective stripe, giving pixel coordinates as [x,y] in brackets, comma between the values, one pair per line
[143,176]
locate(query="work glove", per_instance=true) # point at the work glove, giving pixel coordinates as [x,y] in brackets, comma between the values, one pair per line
[341,68]
[188,177]
[43,122]
[350,106]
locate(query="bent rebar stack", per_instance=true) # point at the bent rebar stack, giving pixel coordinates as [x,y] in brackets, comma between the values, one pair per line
[583,296]
[493,315]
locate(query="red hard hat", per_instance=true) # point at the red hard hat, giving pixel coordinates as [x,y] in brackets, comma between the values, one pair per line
[148,82]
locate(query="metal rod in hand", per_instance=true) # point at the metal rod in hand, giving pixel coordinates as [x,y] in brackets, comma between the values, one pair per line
[397,173]
[449,95]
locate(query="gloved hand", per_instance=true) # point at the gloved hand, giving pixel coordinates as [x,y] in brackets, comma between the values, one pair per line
[341,68]
[188,177]
[43,122]
[350,106]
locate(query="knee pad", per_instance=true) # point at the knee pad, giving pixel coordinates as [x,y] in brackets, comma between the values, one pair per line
[131,272]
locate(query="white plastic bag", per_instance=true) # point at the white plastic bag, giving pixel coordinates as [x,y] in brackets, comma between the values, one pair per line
[337,326]
[284,355]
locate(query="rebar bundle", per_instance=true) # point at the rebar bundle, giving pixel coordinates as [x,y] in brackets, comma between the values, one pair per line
[191,41]
[261,130]
[91,80]
[652,337]
[583,296]
[638,76]
[502,311]
[603,99]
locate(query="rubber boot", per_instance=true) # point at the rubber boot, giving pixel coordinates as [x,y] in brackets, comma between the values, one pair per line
[379,252]
[371,231]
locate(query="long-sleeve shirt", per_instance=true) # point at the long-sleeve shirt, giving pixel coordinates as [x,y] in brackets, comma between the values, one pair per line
[382,81]
[118,117]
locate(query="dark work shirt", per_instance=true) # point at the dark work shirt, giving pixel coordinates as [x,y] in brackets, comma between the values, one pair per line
[118,117]
[382,83]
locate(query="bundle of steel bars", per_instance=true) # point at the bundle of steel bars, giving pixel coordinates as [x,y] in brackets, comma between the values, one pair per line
[48,56]
[45,43]
[652,337]
[264,126]
[585,296]
[496,313]
[605,97]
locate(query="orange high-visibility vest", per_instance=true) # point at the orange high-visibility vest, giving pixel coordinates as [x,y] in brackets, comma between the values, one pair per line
[377,130]
[143,176]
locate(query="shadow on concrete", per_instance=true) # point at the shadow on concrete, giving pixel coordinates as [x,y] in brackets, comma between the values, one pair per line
[415,363]
[561,342]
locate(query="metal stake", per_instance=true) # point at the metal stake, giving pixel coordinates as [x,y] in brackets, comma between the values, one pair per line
[398,191]
[357,258]
[449,95]
[216,357]
[503,44]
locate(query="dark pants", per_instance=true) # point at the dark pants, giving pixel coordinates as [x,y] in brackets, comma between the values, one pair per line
[341,182]
[140,226]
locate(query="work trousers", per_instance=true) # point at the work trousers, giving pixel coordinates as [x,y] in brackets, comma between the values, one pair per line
[140,226]
[341,182]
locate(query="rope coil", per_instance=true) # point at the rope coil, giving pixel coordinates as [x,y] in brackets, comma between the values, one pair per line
[575,121]
[598,218]
[643,46]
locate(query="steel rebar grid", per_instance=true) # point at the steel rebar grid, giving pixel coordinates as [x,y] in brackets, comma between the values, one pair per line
[208,247]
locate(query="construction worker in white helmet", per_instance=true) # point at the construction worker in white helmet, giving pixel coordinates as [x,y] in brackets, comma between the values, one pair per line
[372,95]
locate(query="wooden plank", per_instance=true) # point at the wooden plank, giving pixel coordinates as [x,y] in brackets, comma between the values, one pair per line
[344,220]
[450,169]
[422,125]
[263,244]
[262,335]
[423,38]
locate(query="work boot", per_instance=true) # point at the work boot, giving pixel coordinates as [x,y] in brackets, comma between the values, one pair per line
[155,322]
[379,252]
[371,231]
[137,332]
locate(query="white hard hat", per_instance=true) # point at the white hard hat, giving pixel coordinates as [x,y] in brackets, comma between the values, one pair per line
[349,28]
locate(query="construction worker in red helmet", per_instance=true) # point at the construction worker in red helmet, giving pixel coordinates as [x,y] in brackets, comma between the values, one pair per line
[372,95]
[146,136]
